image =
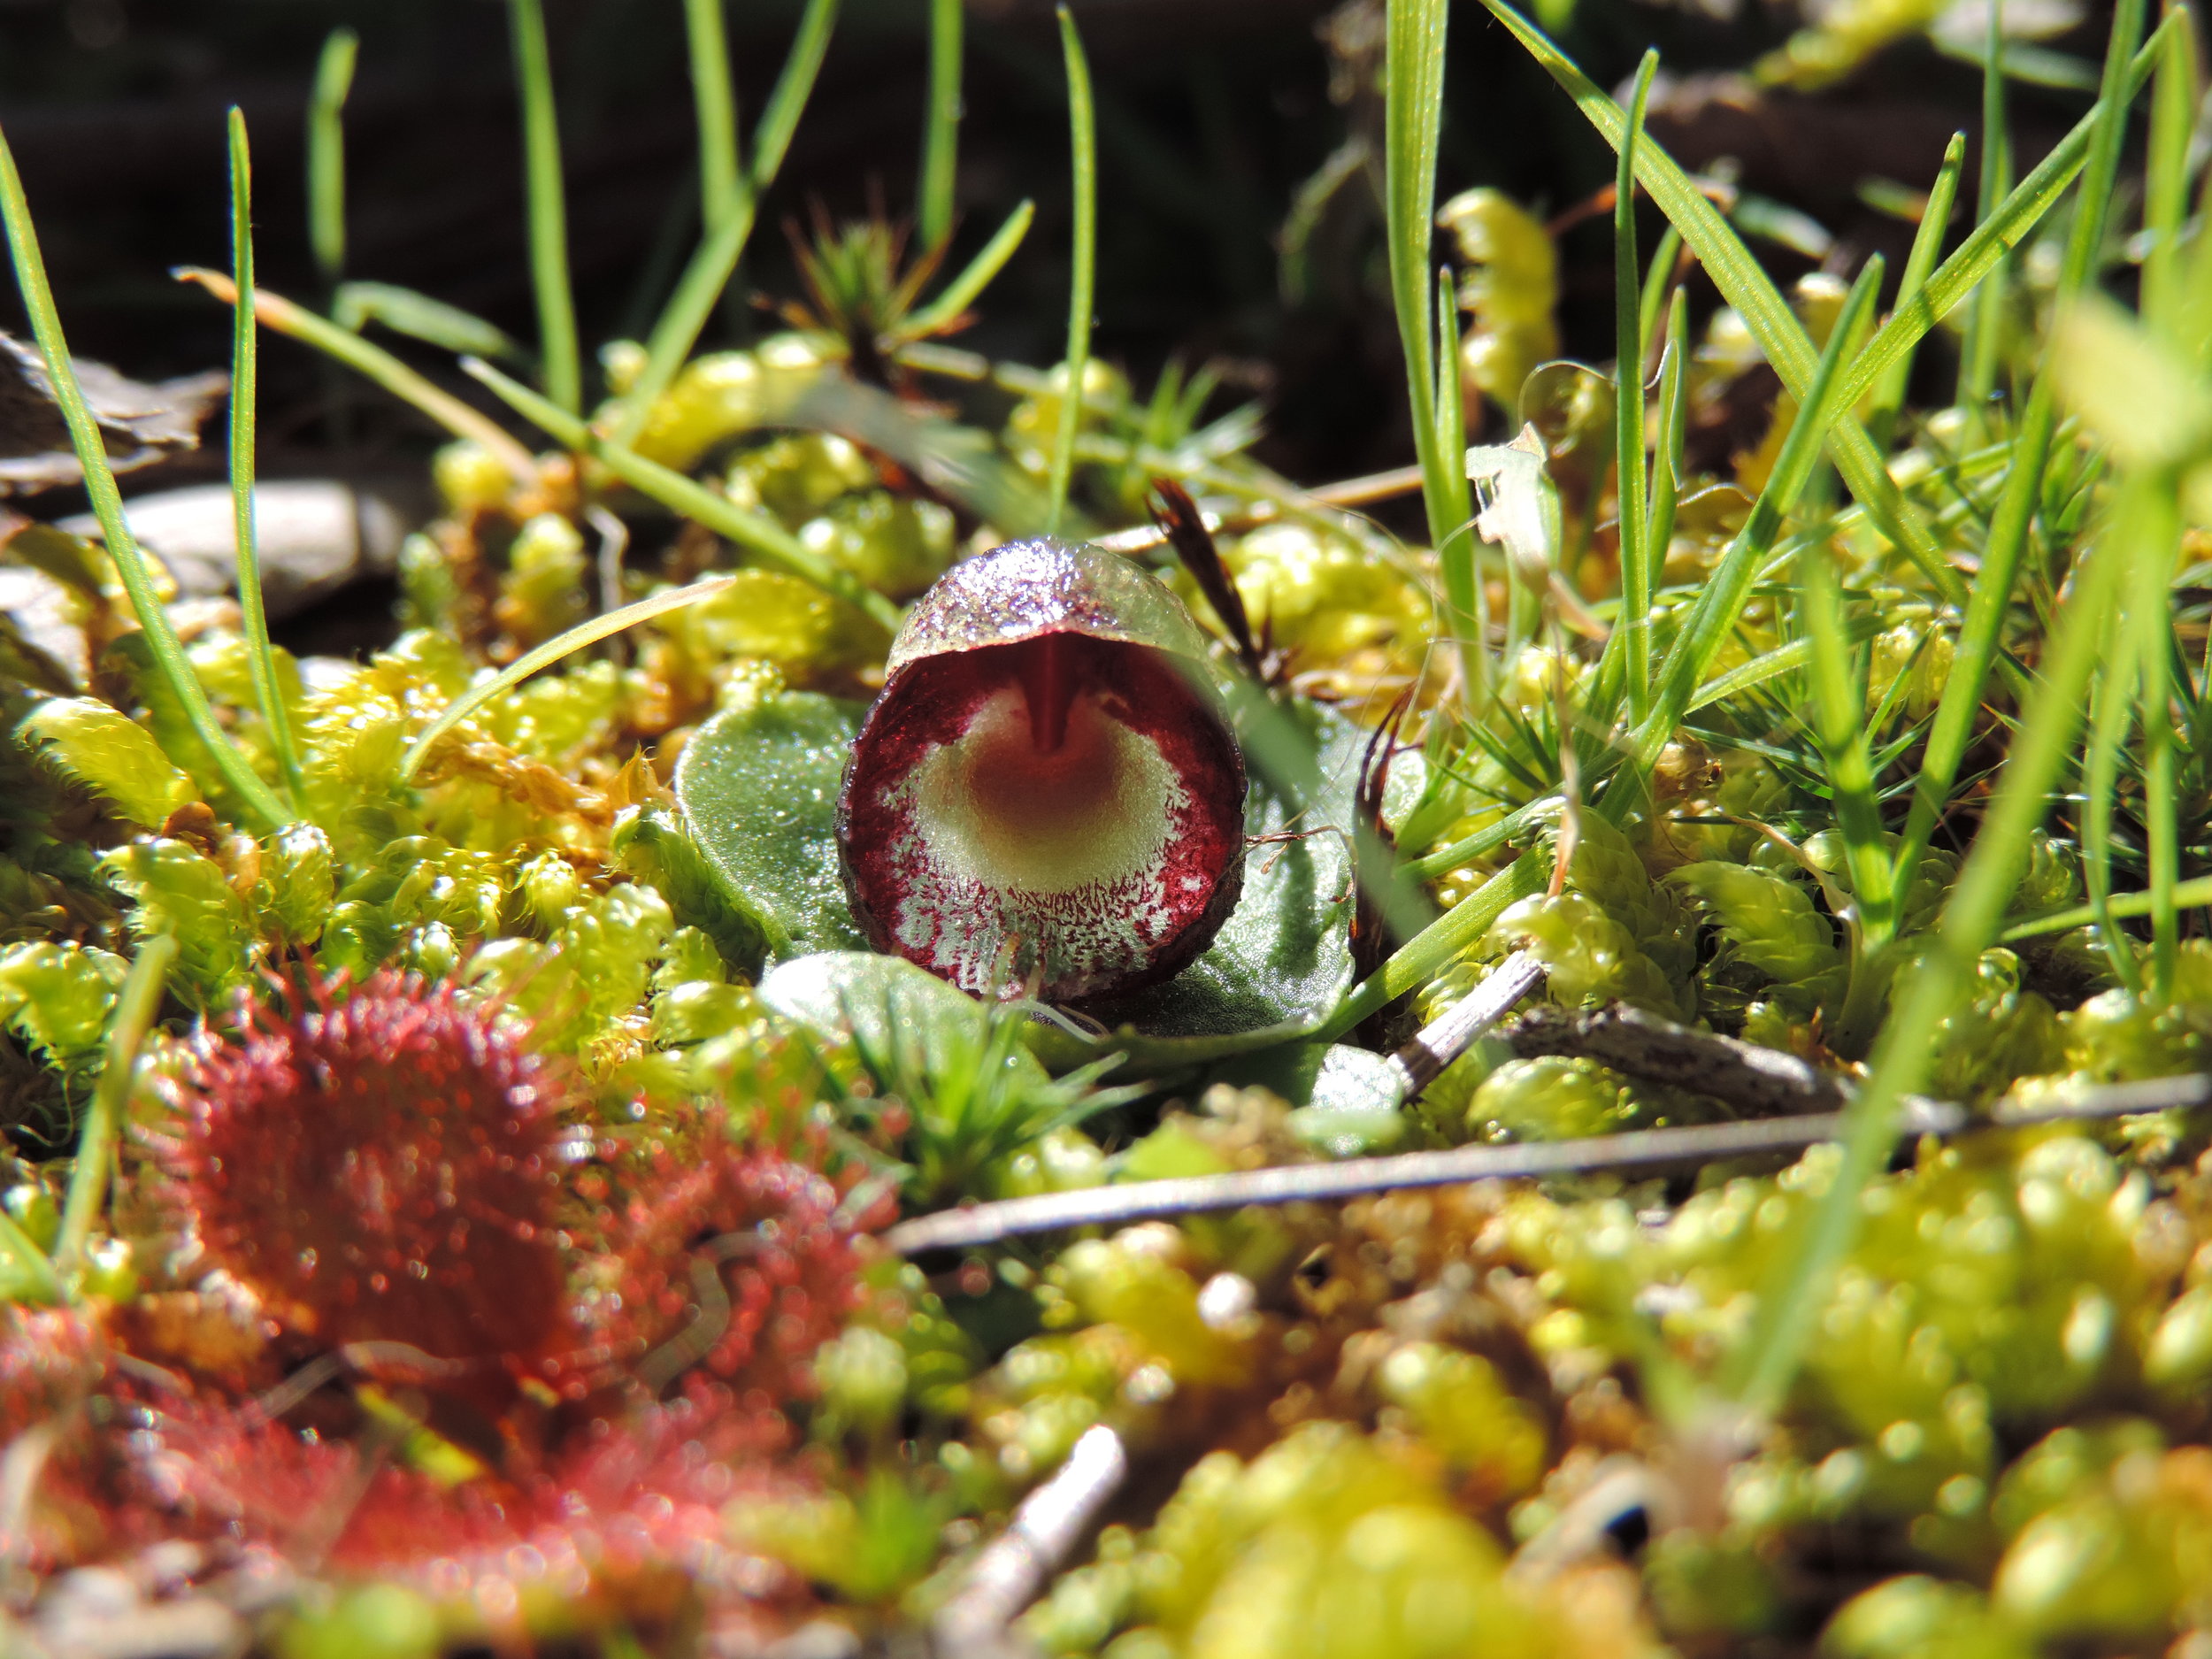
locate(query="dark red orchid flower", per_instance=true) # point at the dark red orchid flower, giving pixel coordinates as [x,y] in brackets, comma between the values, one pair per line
[1045,798]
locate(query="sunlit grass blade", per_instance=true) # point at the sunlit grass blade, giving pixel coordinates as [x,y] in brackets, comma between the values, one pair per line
[135,1006]
[1413,120]
[1747,287]
[1083,269]
[1628,405]
[273,311]
[941,133]
[419,317]
[1985,323]
[700,288]
[587,633]
[1981,630]
[560,363]
[765,537]
[2188,894]
[714,107]
[2176,91]
[2111,711]
[1658,283]
[244,380]
[963,290]
[327,153]
[1425,954]
[1720,604]
[1793,1294]
[2005,226]
[107,505]
[1466,607]
[1674,416]
[1927,244]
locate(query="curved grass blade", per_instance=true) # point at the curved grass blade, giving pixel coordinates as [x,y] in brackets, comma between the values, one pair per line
[244,380]
[107,504]
[2186,895]
[1747,287]
[700,288]
[587,633]
[327,153]
[273,311]
[961,292]
[941,136]
[1637,571]
[1083,146]
[1927,243]
[405,311]
[135,1006]
[774,544]
[560,361]
[714,105]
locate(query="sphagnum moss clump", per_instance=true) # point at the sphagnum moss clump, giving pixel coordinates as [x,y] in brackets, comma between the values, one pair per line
[604,973]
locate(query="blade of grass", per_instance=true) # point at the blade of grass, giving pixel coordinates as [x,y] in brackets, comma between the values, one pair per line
[587,632]
[560,362]
[135,1006]
[1985,324]
[1927,243]
[1981,630]
[1413,120]
[941,132]
[2190,895]
[107,504]
[244,380]
[273,311]
[1420,958]
[1745,284]
[2006,224]
[1674,414]
[1628,405]
[1658,283]
[2111,706]
[1083,146]
[714,107]
[418,316]
[1795,1294]
[700,288]
[327,153]
[1820,414]
[1467,619]
[961,292]
[764,535]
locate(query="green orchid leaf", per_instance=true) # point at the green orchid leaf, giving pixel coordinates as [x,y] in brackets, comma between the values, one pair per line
[758,789]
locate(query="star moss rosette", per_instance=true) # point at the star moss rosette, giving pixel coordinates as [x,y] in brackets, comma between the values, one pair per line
[1046,792]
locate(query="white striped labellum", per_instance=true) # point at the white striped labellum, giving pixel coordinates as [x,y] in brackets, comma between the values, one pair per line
[1046,799]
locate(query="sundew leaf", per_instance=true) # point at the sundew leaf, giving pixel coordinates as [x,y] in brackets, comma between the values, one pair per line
[758,788]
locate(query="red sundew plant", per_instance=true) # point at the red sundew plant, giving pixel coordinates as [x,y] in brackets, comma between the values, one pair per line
[379,1169]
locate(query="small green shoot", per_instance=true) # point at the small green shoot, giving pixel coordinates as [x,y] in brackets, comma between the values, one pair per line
[243,383]
[327,153]
[107,505]
[560,361]
[1637,568]
[135,1006]
[1083,269]
[940,134]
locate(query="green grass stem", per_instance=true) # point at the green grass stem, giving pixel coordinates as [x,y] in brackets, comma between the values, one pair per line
[2111,713]
[135,1006]
[327,153]
[1083,269]
[589,632]
[1745,285]
[560,363]
[714,108]
[941,130]
[1637,570]
[1425,954]
[1658,284]
[1413,73]
[699,290]
[1674,416]
[761,534]
[1981,629]
[2194,891]
[273,311]
[1889,394]
[1791,1301]
[107,506]
[244,381]
[957,294]
[1713,619]
[1984,339]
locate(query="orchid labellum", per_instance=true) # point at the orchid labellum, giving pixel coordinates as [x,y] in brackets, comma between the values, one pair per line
[1046,799]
